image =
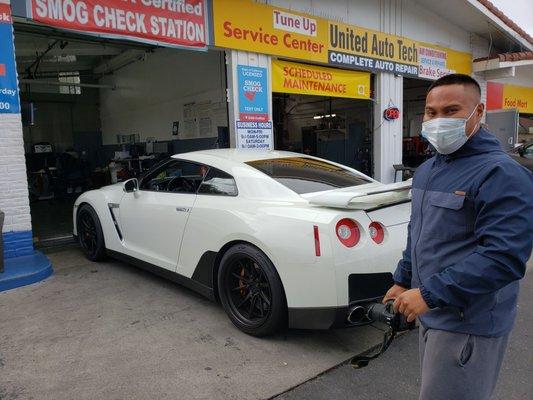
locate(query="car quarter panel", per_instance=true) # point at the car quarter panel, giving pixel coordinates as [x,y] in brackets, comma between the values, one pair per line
[282,230]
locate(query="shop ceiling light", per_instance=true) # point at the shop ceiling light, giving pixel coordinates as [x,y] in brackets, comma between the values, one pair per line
[320,116]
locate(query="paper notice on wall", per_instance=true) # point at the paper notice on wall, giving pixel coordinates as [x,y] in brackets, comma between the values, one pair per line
[205,126]
[255,135]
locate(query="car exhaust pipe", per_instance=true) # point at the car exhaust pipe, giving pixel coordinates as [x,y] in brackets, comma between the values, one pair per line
[357,314]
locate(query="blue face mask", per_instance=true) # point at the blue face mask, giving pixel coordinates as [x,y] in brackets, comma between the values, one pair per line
[447,135]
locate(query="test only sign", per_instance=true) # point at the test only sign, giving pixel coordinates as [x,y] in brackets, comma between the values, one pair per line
[173,23]
[253,93]
[9,95]
[255,135]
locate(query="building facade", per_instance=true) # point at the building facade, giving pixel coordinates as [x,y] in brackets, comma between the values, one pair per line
[108,86]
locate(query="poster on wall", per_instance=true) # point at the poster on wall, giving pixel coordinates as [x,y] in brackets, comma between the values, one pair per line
[287,33]
[255,135]
[253,93]
[166,23]
[9,95]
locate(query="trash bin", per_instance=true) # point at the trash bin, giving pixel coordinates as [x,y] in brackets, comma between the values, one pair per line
[1,242]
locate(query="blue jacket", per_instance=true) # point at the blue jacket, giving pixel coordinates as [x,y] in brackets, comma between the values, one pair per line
[470,237]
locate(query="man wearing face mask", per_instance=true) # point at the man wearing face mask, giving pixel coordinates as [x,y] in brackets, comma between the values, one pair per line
[470,237]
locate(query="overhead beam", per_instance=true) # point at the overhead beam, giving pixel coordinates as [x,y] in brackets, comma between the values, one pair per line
[125,58]
[55,83]
[28,50]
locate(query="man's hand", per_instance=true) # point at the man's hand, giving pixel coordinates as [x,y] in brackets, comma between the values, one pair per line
[393,293]
[411,304]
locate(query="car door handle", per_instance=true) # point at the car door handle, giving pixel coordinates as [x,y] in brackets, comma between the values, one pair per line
[183,209]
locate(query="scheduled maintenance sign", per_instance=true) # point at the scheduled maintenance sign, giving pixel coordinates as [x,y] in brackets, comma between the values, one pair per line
[290,77]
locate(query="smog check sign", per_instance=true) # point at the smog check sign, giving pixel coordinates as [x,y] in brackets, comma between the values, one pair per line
[175,23]
[253,93]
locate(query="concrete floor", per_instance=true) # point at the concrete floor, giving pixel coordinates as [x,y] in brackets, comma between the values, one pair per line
[396,374]
[111,331]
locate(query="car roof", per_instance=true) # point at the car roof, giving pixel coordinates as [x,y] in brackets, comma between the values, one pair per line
[237,155]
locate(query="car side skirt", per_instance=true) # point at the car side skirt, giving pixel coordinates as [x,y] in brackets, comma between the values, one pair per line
[165,273]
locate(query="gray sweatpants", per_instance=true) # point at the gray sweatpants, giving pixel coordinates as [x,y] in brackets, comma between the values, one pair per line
[459,366]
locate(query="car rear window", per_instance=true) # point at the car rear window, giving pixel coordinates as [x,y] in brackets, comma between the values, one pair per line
[307,175]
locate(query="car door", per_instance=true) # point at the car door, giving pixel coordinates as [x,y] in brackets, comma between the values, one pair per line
[153,218]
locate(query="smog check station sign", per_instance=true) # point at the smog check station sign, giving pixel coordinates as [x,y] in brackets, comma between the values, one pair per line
[174,23]
[261,28]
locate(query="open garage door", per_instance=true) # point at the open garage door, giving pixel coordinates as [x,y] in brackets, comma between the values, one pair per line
[98,111]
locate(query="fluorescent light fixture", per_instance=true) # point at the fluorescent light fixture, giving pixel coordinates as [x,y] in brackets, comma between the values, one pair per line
[320,116]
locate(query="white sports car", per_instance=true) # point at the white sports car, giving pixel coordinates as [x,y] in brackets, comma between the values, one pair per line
[280,239]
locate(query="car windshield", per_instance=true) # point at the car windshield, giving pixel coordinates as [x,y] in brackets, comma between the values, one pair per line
[307,175]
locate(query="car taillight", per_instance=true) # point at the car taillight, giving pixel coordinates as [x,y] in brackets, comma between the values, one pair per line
[317,241]
[377,232]
[348,232]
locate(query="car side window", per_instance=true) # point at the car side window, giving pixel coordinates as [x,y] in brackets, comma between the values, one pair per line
[176,176]
[218,182]
[528,152]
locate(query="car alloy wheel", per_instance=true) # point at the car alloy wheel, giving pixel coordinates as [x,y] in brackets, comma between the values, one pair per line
[87,232]
[249,293]
[90,235]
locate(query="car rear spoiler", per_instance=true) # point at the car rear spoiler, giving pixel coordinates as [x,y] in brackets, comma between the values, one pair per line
[373,197]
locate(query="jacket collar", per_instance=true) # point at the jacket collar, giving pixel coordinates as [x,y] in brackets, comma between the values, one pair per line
[480,142]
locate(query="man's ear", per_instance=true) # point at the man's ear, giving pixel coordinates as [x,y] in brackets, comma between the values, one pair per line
[480,110]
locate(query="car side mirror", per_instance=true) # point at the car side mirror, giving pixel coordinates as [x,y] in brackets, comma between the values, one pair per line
[131,185]
[521,152]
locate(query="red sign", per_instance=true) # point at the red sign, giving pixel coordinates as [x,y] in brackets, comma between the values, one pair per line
[171,22]
[5,13]
[391,113]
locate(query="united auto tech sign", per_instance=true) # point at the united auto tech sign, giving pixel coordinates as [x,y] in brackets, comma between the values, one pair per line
[165,22]
[262,28]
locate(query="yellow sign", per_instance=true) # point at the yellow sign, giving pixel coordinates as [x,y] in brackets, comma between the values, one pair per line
[290,77]
[261,28]
[519,97]
[245,25]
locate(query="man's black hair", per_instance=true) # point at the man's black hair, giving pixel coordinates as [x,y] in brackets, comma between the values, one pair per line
[455,79]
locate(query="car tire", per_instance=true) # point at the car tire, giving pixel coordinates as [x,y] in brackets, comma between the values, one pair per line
[90,234]
[255,317]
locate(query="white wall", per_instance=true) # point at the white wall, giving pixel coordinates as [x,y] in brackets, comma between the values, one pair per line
[150,94]
[14,197]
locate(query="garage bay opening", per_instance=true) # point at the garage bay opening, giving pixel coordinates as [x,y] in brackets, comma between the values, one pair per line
[336,129]
[99,111]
